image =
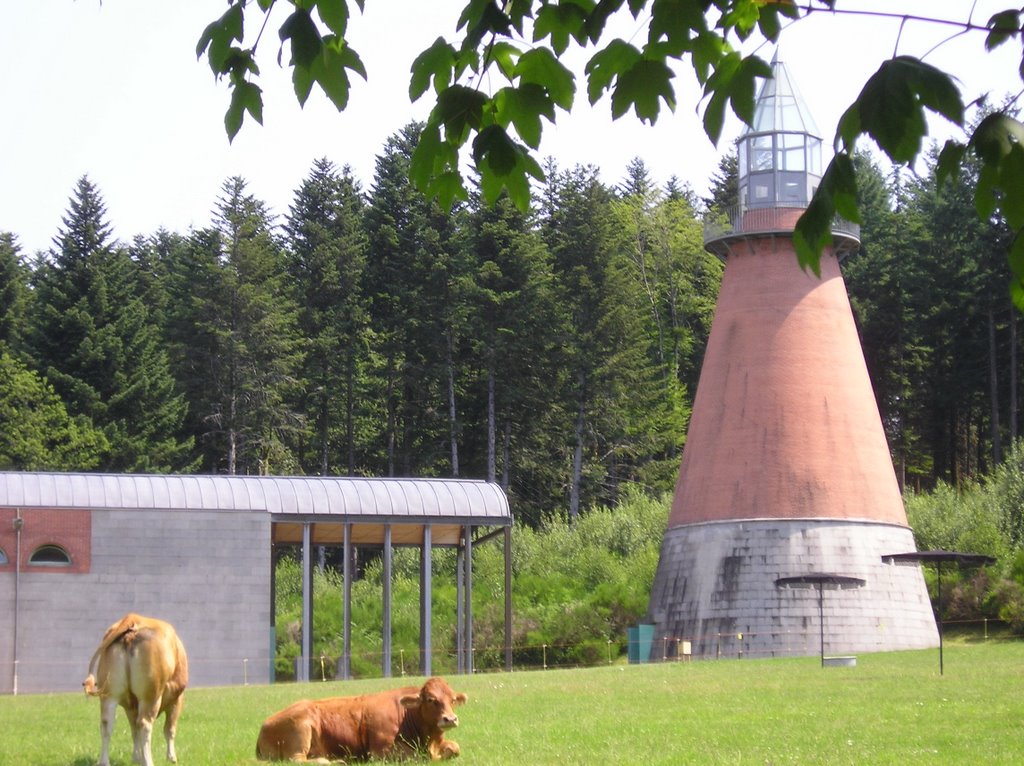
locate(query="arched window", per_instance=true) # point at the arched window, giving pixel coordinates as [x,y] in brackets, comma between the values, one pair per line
[50,556]
[3,557]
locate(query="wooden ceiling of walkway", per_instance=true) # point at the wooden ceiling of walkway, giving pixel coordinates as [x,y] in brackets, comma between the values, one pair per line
[327,533]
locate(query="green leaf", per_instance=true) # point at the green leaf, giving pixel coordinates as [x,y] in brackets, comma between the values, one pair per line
[334,14]
[718,88]
[523,107]
[743,84]
[495,147]
[950,159]
[448,187]
[1011,171]
[435,62]
[559,23]
[607,64]
[302,83]
[541,67]
[890,108]
[769,22]
[305,39]
[998,142]
[331,68]
[505,55]
[995,137]
[840,181]
[245,97]
[643,87]
[597,19]
[459,109]
[674,19]
[1016,258]
[837,193]
[1004,25]
[426,157]
[706,52]
[218,36]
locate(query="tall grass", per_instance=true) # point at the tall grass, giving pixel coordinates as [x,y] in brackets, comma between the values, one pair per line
[891,708]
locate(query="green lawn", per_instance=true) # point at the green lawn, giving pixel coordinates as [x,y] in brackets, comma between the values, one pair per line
[889,709]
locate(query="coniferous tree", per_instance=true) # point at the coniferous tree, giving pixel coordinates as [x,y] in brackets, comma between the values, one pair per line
[327,258]
[516,329]
[611,383]
[725,185]
[242,341]
[410,273]
[14,293]
[883,287]
[95,341]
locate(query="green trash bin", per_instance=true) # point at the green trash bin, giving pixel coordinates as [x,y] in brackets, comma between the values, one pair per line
[640,639]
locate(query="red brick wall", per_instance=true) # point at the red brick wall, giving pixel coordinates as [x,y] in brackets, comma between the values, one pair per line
[69,529]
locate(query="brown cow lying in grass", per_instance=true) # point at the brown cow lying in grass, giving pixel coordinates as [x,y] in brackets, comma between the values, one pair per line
[402,722]
[142,668]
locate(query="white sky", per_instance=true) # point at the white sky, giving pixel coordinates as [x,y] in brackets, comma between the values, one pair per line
[114,90]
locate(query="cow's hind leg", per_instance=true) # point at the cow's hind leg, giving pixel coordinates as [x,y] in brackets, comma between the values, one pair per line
[108,711]
[171,725]
[143,752]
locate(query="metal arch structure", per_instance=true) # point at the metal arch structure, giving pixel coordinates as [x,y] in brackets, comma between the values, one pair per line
[308,511]
[821,581]
[960,559]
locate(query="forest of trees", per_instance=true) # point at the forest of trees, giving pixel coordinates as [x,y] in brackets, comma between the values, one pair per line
[367,332]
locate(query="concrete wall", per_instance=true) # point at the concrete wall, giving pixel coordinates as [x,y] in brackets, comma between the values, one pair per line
[715,587]
[208,573]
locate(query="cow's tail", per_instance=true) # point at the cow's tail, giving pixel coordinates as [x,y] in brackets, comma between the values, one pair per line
[114,633]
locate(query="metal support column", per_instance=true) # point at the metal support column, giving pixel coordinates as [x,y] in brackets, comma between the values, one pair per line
[460,637]
[345,671]
[508,599]
[426,560]
[386,629]
[469,600]
[273,611]
[306,653]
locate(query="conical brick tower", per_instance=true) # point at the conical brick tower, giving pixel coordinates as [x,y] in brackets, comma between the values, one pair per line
[786,470]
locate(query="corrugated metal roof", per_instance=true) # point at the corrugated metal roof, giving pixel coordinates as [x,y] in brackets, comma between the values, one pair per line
[474,502]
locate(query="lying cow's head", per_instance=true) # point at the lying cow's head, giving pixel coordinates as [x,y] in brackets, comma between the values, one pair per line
[435,703]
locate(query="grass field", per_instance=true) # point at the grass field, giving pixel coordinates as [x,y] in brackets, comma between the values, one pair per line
[889,709]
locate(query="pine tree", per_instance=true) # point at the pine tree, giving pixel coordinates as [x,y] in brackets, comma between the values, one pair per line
[94,339]
[242,340]
[327,258]
[410,273]
[725,185]
[514,331]
[14,293]
[610,381]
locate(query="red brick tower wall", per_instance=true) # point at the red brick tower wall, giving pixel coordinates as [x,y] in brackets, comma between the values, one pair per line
[785,424]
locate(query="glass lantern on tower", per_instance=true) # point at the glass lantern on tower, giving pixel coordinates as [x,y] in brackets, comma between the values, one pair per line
[779,156]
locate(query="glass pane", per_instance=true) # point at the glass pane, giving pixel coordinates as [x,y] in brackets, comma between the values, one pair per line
[741,158]
[791,152]
[51,556]
[3,556]
[814,156]
[762,157]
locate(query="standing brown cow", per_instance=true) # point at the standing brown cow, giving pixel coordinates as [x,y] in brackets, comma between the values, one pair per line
[142,668]
[401,722]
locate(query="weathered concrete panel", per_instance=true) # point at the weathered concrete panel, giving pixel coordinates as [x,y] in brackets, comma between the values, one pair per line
[716,581]
[206,572]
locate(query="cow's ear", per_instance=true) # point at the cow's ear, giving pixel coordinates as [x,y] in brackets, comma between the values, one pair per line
[409,700]
[459,699]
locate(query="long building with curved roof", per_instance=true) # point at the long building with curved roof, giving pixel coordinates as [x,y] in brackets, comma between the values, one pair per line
[78,550]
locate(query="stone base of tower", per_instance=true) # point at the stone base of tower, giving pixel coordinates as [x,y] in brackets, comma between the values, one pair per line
[715,588]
